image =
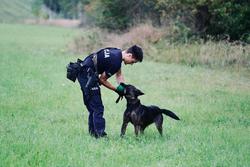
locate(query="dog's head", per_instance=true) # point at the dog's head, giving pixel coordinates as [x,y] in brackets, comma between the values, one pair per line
[132,92]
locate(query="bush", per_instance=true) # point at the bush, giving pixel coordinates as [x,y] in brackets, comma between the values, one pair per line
[191,17]
[232,18]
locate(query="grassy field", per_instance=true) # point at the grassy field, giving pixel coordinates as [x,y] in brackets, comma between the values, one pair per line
[43,121]
[15,10]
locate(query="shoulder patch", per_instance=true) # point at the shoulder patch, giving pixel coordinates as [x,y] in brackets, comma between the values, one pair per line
[106,53]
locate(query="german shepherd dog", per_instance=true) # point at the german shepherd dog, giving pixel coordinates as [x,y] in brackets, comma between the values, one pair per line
[139,115]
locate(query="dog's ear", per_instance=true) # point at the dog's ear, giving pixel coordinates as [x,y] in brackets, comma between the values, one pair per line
[139,92]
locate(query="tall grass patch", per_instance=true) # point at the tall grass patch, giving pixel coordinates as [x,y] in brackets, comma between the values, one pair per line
[158,46]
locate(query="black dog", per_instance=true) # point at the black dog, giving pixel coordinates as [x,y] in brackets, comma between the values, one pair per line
[141,116]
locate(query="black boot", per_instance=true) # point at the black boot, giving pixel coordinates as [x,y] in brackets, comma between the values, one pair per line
[92,133]
[104,134]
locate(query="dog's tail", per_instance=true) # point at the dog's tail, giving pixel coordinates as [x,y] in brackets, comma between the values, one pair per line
[170,114]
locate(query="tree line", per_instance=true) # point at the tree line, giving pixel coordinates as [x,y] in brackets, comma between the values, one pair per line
[217,18]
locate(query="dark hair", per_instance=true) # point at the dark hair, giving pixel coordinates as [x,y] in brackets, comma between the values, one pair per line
[136,51]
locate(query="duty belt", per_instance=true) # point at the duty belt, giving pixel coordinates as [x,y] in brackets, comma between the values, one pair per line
[93,57]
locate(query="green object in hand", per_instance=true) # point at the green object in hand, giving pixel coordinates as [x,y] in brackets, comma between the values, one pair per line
[120,88]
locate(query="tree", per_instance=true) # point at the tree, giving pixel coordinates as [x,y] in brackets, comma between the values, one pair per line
[66,8]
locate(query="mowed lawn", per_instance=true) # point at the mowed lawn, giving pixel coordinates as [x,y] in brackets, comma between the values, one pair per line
[43,121]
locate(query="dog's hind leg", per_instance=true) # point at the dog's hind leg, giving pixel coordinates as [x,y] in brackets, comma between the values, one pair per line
[158,122]
[137,129]
[142,130]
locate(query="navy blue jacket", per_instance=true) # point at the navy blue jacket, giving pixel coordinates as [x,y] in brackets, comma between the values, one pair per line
[109,60]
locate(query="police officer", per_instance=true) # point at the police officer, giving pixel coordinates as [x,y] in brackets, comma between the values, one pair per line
[98,67]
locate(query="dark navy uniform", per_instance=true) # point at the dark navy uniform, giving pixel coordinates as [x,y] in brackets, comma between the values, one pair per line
[109,60]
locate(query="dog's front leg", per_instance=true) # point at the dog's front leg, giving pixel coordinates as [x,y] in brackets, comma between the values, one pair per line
[124,126]
[123,129]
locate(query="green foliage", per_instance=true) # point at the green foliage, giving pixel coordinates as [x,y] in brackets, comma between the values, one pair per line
[115,14]
[72,9]
[232,18]
[36,7]
[120,15]
[201,17]
[67,8]
[180,33]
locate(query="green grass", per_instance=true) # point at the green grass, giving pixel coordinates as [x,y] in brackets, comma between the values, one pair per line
[44,123]
[15,10]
